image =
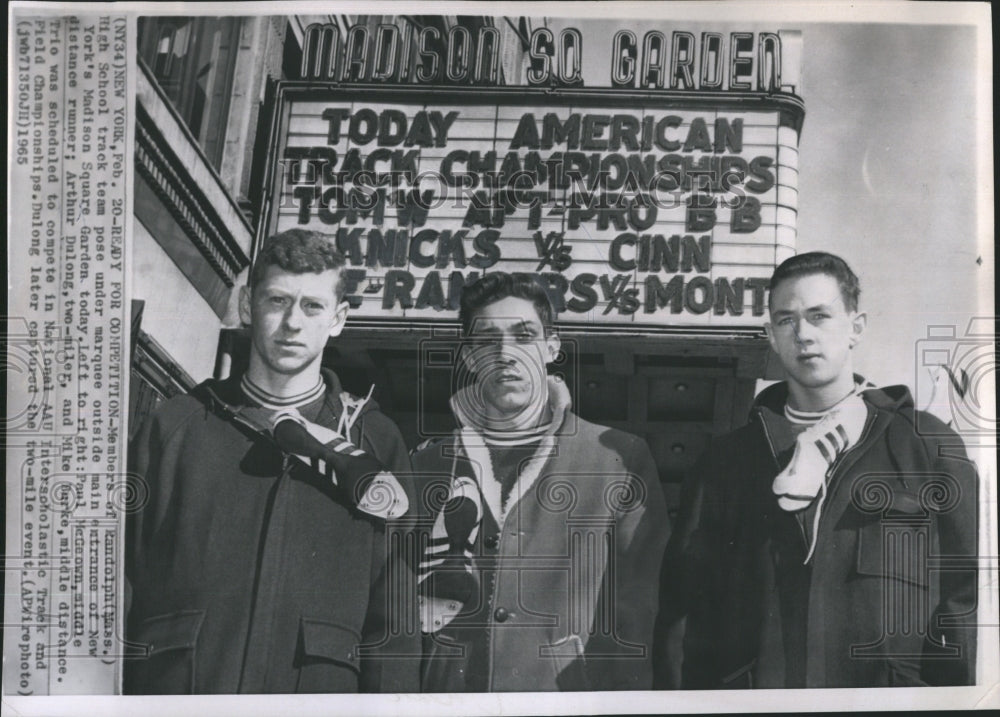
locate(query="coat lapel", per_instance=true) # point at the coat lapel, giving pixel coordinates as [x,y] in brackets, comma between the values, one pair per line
[478,454]
[529,471]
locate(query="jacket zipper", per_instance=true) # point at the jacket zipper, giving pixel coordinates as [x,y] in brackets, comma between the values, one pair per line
[262,604]
[774,456]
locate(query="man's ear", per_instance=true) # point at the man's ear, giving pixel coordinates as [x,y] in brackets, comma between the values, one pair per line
[552,344]
[859,322]
[339,319]
[244,305]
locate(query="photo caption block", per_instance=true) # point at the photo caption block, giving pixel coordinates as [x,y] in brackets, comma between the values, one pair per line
[67,351]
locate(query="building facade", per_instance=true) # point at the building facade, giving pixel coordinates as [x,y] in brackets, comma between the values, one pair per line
[653,204]
[203,111]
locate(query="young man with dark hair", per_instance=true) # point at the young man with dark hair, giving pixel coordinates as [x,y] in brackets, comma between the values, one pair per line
[259,561]
[828,543]
[540,564]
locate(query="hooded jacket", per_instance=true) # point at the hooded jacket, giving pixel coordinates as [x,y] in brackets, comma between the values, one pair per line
[567,570]
[887,599]
[249,571]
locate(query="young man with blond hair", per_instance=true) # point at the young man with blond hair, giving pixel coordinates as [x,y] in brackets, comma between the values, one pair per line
[259,561]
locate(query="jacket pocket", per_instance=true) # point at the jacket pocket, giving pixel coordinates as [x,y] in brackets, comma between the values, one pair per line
[171,650]
[895,548]
[327,659]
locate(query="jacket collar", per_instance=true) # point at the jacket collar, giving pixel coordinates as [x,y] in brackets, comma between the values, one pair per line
[559,405]
[888,398]
[228,393]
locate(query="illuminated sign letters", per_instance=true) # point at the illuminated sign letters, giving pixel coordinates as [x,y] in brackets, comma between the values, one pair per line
[665,199]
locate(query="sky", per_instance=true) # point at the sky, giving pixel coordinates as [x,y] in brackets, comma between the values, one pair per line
[888,176]
[888,171]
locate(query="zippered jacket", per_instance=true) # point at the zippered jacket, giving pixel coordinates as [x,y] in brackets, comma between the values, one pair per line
[249,571]
[888,597]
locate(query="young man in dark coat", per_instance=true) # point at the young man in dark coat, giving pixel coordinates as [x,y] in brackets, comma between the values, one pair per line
[541,565]
[258,561]
[828,543]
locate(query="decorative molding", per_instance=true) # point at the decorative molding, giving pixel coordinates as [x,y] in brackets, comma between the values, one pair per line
[787,103]
[164,173]
[164,115]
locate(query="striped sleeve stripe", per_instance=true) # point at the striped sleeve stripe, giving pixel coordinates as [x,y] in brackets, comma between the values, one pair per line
[824,451]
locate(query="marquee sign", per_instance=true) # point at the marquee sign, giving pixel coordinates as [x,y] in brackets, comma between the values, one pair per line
[677,60]
[631,207]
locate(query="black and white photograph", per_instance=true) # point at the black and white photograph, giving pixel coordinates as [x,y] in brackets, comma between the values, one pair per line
[500,358]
